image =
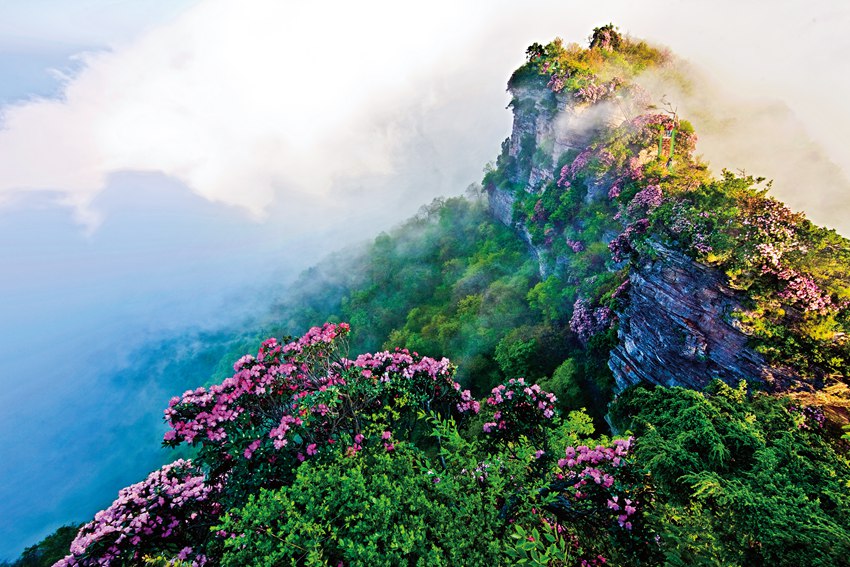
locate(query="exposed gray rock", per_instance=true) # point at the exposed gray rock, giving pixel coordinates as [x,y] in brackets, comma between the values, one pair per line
[678,330]
[501,204]
[556,123]
[535,111]
[539,177]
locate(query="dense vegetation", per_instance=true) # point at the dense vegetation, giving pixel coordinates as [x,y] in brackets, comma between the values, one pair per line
[304,455]
[740,478]
[452,281]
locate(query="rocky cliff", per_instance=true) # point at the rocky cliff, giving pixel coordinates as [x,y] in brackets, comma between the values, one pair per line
[547,125]
[676,328]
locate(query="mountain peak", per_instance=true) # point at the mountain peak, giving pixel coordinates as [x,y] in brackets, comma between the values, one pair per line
[704,277]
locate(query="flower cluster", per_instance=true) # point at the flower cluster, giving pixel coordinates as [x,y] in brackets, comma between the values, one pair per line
[593,93]
[771,220]
[563,179]
[621,245]
[575,245]
[279,433]
[203,415]
[773,227]
[291,401]
[520,409]
[423,377]
[606,158]
[801,289]
[634,168]
[540,213]
[587,322]
[557,82]
[146,517]
[692,229]
[467,403]
[590,475]
[646,200]
[579,163]
[387,438]
[811,417]
[317,417]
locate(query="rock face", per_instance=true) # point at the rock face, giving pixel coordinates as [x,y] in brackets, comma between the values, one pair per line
[501,204]
[678,331]
[551,123]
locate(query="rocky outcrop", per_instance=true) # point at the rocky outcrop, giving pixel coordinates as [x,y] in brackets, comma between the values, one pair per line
[546,125]
[678,328]
[535,110]
[501,204]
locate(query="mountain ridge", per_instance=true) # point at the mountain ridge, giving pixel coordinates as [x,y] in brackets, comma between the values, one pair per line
[580,127]
[614,268]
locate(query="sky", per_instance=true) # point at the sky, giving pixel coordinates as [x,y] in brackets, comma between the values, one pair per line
[167,166]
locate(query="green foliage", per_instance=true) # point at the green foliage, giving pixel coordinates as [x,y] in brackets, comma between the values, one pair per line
[549,298]
[407,506]
[513,354]
[567,385]
[49,550]
[449,282]
[531,352]
[381,508]
[610,56]
[740,481]
[606,37]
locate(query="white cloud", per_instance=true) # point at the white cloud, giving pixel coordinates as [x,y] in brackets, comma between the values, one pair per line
[245,102]
[237,102]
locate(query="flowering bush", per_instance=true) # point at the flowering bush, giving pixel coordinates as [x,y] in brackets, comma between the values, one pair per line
[588,474]
[291,401]
[519,409]
[575,245]
[540,214]
[596,496]
[646,200]
[621,246]
[148,517]
[587,322]
[592,92]
[773,229]
[579,163]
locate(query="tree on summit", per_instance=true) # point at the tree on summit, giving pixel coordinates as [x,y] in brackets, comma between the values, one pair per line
[606,37]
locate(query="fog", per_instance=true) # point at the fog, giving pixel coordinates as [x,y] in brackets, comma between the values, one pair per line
[161,188]
[761,137]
